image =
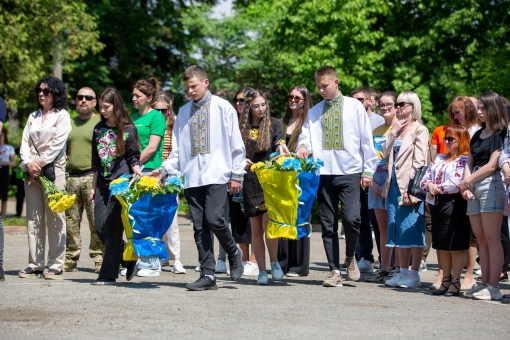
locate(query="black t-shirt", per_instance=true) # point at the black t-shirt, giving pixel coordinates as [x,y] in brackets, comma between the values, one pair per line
[104,154]
[276,135]
[482,149]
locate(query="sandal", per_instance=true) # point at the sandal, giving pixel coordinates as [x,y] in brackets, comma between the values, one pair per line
[29,273]
[440,291]
[53,274]
[455,283]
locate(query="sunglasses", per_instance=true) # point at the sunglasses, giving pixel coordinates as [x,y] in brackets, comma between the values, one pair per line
[361,99]
[163,111]
[449,140]
[401,105]
[295,99]
[87,98]
[386,106]
[46,92]
[239,100]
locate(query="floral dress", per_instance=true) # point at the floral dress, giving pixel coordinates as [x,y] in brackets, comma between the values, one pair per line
[105,159]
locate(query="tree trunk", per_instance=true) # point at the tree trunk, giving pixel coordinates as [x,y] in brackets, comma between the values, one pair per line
[57,60]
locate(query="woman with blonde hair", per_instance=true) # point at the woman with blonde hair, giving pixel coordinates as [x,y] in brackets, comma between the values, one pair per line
[406,147]
[162,102]
[294,256]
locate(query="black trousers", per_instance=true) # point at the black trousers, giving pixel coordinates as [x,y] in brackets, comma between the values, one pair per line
[505,242]
[294,255]
[1,243]
[208,206]
[109,228]
[346,190]
[368,220]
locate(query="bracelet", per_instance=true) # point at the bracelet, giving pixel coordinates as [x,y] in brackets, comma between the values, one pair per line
[237,177]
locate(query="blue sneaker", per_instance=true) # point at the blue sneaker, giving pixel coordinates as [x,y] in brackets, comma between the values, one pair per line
[276,271]
[262,279]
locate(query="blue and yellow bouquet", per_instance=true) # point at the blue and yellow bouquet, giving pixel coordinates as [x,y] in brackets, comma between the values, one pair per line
[290,185]
[148,209]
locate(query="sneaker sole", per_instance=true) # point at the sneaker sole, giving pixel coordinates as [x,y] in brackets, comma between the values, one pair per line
[177,272]
[291,275]
[148,274]
[103,283]
[202,289]
[251,274]
[325,284]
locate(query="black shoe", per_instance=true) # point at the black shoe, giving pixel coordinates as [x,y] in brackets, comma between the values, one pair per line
[2,275]
[103,282]
[504,278]
[448,280]
[236,265]
[203,283]
[455,283]
[132,269]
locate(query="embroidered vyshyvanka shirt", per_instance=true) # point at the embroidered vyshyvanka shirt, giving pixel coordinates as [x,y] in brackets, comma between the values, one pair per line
[207,147]
[446,174]
[341,137]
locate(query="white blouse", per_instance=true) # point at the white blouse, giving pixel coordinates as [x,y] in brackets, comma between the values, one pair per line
[226,156]
[358,154]
[49,137]
[446,174]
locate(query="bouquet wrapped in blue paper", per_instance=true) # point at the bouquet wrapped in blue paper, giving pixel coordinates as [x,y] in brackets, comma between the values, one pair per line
[148,210]
[290,185]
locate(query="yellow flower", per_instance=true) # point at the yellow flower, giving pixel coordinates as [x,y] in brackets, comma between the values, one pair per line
[148,183]
[118,180]
[257,166]
[280,160]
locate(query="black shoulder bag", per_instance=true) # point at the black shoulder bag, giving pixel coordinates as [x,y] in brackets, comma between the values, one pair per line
[414,188]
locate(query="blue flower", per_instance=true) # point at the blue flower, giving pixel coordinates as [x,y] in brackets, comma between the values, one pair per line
[296,165]
[119,188]
[126,176]
[287,164]
[172,180]
[274,154]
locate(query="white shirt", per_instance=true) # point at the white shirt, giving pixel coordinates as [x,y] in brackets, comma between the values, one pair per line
[49,137]
[227,154]
[446,174]
[6,151]
[358,154]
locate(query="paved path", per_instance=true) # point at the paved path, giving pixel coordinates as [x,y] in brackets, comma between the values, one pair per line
[300,307]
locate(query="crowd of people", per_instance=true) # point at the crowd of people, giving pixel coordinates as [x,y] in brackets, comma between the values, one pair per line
[448,192]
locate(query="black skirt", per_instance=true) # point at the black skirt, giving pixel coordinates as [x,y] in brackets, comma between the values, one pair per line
[450,224]
[240,224]
[253,195]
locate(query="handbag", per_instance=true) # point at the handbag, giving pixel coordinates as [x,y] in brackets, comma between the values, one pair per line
[414,188]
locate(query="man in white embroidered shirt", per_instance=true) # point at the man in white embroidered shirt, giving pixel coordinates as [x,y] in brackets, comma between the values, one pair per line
[208,149]
[337,130]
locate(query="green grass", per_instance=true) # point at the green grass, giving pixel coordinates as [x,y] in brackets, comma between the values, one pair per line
[15,221]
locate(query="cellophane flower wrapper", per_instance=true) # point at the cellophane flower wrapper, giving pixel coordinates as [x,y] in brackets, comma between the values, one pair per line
[290,186]
[58,200]
[148,210]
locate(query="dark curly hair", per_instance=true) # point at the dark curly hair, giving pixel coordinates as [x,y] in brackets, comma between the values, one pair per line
[58,90]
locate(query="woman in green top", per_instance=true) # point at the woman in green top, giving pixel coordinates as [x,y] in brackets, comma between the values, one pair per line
[151,126]
[149,123]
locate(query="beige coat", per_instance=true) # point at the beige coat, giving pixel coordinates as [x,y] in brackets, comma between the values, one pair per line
[412,156]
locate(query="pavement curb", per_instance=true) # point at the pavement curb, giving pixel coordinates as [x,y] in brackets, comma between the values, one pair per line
[15,229]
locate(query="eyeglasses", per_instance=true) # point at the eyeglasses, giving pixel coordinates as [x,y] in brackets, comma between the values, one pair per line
[361,100]
[46,92]
[295,99]
[261,106]
[87,98]
[163,111]
[239,100]
[401,105]
[449,140]
[386,106]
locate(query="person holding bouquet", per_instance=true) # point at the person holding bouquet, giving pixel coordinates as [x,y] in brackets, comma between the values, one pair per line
[115,152]
[262,135]
[208,148]
[337,130]
[294,256]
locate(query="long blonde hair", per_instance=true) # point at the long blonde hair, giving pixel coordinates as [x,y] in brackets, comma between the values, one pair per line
[165,98]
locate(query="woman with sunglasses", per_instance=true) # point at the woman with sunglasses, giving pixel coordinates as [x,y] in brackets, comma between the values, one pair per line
[450,224]
[406,150]
[462,110]
[375,200]
[43,142]
[151,126]
[262,135]
[162,102]
[483,188]
[294,256]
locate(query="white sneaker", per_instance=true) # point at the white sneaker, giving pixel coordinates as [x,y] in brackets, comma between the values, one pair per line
[423,266]
[198,269]
[365,266]
[478,272]
[149,267]
[251,269]
[123,271]
[178,268]
[221,267]
[147,273]
[409,281]
[291,274]
[469,294]
[488,293]
[262,279]
[394,280]
[342,236]
[276,271]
